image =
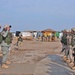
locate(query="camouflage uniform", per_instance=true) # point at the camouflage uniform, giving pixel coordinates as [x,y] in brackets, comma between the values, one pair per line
[64,42]
[69,47]
[73,45]
[5,45]
[20,40]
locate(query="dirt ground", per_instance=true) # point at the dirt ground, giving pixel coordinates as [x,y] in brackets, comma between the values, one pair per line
[33,51]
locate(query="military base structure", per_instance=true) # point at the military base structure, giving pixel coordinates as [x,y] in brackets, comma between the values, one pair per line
[47,35]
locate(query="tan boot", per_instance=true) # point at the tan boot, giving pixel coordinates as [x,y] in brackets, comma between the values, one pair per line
[64,58]
[0,55]
[4,66]
[71,64]
[68,61]
[8,62]
[73,68]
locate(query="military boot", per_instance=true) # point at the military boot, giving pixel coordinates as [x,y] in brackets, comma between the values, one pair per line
[68,61]
[73,68]
[64,58]
[4,66]
[8,62]
[0,55]
[71,64]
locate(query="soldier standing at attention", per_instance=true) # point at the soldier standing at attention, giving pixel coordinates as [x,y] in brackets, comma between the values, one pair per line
[73,46]
[64,42]
[0,47]
[67,44]
[5,45]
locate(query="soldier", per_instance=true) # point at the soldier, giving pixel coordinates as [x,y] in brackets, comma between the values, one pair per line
[20,40]
[73,46]
[0,47]
[5,45]
[42,37]
[65,44]
[69,47]
[0,43]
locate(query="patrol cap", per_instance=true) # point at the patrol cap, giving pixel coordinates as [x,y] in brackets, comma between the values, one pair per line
[6,26]
[66,30]
[73,29]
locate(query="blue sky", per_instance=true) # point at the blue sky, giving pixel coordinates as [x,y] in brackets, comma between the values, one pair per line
[37,14]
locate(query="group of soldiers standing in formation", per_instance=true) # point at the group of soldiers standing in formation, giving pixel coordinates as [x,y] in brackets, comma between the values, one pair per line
[68,46]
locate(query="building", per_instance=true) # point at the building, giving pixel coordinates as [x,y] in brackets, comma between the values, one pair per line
[49,32]
[27,35]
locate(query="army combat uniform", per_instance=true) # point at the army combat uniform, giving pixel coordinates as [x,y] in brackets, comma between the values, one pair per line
[20,40]
[5,45]
[64,42]
[69,48]
[73,46]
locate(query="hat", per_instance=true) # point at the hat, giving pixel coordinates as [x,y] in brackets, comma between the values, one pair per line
[6,26]
[73,29]
[66,30]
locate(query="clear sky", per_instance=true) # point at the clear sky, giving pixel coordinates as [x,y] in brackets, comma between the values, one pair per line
[37,14]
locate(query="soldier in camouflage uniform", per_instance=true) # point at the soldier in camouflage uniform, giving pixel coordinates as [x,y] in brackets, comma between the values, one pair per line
[69,47]
[5,45]
[63,46]
[64,42]
[20,40]
[73,46]
[0,46]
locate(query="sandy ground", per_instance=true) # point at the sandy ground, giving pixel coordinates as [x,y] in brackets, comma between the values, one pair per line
[33,51]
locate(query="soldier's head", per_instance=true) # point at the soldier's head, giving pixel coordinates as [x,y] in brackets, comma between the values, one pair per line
[20,34]
[73,30]
[66,31]
[7,27]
